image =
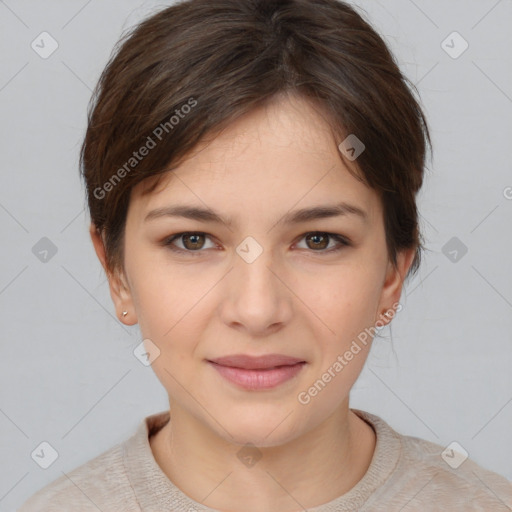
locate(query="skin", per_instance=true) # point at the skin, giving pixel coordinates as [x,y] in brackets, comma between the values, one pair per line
[294,299]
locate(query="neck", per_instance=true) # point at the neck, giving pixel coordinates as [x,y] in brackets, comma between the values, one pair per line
[302,473]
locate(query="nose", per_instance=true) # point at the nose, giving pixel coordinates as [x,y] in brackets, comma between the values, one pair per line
[257,300]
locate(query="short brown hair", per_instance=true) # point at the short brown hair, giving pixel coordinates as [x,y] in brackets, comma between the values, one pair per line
[185,72]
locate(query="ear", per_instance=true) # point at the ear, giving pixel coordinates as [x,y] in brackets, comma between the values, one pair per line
[119,289]
[393,283]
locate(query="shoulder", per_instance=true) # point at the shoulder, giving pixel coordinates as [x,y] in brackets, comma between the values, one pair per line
[436,476]
[99,484]
[452,466]
[429,477]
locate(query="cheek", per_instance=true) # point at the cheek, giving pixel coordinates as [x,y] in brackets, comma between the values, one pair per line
[162,312]
[345,299]
[172,309]
[158,290]
[167,317]
[341,356]
[158,299]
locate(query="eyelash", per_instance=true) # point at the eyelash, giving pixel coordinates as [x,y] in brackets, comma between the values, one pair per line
[342,241]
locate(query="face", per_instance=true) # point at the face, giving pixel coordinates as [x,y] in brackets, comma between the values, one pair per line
[258,282]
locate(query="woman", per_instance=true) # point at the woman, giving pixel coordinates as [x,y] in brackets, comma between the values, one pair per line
[252,170]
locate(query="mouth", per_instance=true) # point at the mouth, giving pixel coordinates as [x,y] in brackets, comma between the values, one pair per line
[257,373]
[264,362]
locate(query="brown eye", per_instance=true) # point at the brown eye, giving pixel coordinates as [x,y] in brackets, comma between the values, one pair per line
[193,241]
[318,240]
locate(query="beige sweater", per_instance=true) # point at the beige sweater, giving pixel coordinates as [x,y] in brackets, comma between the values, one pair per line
[406,474]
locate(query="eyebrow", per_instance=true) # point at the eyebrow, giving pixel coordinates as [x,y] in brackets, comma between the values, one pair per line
[295,217]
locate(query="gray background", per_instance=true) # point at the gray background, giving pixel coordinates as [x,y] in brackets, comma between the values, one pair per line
[68,374]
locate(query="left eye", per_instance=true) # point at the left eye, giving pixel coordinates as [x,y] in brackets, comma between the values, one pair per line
[193,242]
[320,241]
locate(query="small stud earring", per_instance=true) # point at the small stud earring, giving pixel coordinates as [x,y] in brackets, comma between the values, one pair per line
[125,313]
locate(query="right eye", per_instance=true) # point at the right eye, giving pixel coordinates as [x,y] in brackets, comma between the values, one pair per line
[192,242]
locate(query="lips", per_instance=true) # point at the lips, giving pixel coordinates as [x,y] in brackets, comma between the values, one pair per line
[264,362]
[257,373]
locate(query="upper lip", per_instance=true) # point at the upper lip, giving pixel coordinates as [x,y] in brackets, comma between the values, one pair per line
[256,363]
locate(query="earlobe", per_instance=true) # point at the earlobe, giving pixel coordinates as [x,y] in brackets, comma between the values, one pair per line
[119,290]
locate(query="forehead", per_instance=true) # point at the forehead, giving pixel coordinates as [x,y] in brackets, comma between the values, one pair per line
[283,152]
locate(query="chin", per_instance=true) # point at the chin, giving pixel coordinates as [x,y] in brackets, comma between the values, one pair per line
[258,437]
[258,428]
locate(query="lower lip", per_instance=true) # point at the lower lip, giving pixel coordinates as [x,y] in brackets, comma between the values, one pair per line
[258,379]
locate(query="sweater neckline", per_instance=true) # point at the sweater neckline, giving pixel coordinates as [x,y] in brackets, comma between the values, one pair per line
[154,490]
